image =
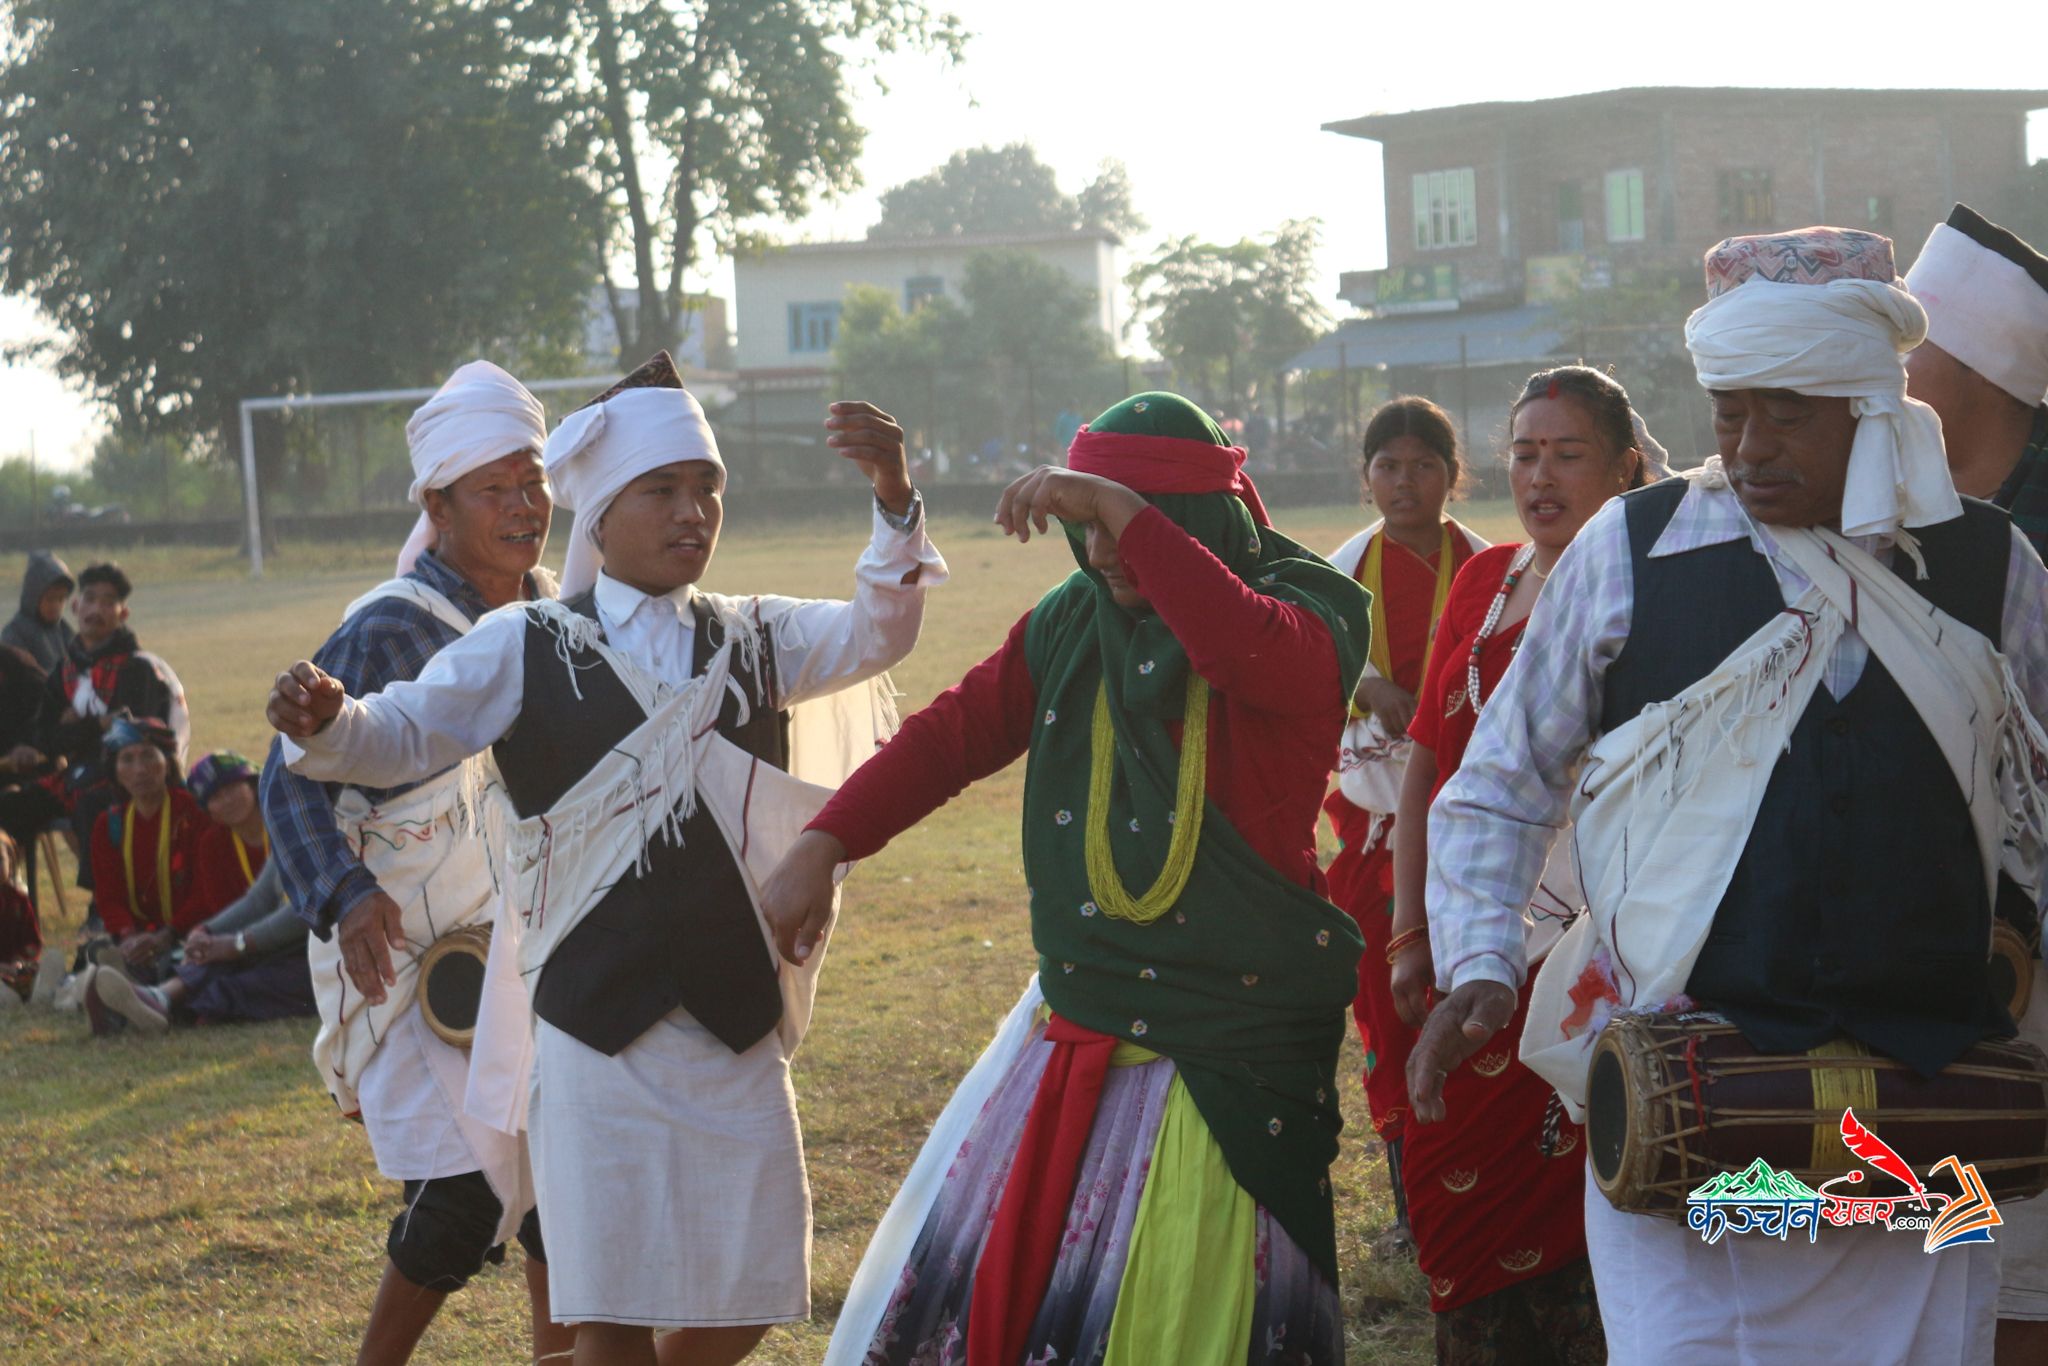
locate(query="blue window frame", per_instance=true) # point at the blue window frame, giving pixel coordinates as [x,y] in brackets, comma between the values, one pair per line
[813,327]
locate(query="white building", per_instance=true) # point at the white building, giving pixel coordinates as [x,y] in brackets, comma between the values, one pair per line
[787,298]
[704,345]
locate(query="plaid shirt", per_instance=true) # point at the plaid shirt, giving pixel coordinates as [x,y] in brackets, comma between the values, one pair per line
[1493,823]
[388,641]
[2025,494]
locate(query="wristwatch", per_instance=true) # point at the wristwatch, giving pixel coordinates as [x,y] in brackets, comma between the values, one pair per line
[241,944]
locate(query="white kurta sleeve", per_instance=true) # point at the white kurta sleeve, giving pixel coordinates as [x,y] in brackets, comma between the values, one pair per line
[1491,827]
[463,701]
[822,645]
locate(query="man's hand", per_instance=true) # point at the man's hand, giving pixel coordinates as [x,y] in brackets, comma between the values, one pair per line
[303,699]
[1050,491]
[369,933]
[871,438]
[1391,705]
[203,946]
[1459,1027]
[797,900]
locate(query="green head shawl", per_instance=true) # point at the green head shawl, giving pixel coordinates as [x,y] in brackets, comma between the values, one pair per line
[1240,975]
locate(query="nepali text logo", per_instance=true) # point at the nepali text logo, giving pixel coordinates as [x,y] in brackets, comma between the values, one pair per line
[1765,1200]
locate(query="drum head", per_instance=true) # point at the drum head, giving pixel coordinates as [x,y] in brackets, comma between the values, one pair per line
[1607,1108]
[452,986]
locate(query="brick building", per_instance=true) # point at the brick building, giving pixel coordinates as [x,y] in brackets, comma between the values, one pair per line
[1509,216]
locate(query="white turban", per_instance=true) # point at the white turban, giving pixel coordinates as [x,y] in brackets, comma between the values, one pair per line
[598,450]
[1985,310]
[481,414]
[1842,339]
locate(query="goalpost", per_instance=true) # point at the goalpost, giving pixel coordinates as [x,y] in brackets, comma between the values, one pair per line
[251,503]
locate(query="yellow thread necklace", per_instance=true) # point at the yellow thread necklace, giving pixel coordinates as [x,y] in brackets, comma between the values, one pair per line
[1371,578]
[163,861]
[1190,788]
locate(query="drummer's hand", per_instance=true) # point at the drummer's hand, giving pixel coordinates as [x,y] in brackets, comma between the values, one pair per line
[1459,1027]
[1413,975]
[797,899]
[303,699]
[369,932]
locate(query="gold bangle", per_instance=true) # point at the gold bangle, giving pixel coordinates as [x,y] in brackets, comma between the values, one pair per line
[1403,940]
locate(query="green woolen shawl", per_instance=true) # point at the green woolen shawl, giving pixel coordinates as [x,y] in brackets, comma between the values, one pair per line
[1247,980]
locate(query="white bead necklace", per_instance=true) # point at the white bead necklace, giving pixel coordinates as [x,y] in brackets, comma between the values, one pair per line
[1516,569]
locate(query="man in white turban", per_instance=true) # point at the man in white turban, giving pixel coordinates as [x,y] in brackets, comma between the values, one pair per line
[1770,696]
[379,875]
[640,728]
[1984,369]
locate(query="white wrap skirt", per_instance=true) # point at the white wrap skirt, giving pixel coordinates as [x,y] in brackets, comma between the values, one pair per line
[670,1180]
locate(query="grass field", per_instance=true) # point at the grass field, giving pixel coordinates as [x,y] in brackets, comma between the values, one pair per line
[194,1198]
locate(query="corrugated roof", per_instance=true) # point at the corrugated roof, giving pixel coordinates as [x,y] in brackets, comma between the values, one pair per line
[1503,337]
[968,240]
[1377,126]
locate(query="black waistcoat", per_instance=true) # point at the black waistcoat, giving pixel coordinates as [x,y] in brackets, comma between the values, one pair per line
[683,932]
[1858,905]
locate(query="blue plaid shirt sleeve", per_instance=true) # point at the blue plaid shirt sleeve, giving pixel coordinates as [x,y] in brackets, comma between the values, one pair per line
[383,643]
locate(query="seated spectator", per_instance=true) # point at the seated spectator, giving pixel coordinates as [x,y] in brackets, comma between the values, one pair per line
[235,847]
[21,932]
[145,850]
[39,627]
[244,965]
[104,673]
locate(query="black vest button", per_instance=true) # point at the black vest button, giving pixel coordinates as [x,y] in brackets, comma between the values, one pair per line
[1838,725]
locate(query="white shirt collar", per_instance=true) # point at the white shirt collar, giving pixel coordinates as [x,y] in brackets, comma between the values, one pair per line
[617,602]
[1709,516]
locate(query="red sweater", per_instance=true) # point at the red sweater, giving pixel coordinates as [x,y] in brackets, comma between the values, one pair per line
[221,878]
[1275,717]
[110,874]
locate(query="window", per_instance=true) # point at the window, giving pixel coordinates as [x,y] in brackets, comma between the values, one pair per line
[1625,206]
[1746,199]
[813,327]
[1571,219]
[920,290]
[1446,209]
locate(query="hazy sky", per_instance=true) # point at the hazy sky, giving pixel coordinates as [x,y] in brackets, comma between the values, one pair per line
[1216,108]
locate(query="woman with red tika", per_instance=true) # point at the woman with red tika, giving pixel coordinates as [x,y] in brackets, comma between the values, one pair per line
[1496,1200]
[1406,561]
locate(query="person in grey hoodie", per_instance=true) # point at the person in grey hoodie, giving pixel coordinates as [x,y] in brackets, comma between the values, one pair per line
[39,627]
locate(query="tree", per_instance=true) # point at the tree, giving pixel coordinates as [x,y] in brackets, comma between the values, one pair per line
[1005,189]
[1021,347]
[1227,316]
[222,199]
[696,117]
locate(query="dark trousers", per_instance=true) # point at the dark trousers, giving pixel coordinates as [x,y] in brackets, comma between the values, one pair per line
[277,987]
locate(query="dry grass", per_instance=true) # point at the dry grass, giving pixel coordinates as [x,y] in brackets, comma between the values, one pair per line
[195,1199]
